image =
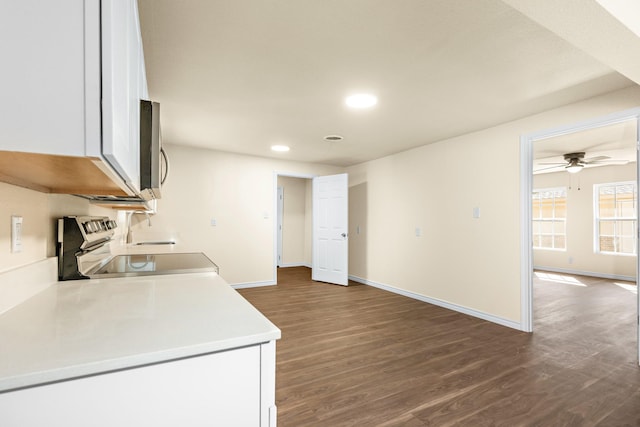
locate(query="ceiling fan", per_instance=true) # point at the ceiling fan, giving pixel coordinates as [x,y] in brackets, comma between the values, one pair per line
[574,162]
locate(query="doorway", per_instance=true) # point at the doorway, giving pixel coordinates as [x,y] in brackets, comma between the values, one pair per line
[566,135]
[312,225]
[292,229]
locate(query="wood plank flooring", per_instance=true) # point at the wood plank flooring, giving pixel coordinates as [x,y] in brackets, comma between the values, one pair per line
[361,356]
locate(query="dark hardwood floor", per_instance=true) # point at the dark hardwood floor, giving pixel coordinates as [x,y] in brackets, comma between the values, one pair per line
[360,356]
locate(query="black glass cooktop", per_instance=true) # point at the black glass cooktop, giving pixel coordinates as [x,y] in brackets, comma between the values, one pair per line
[154,264]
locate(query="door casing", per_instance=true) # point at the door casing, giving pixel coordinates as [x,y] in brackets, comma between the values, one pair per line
[276,174]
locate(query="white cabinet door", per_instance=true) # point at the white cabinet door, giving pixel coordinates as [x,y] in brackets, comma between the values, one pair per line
[42,81]
[219,389]
[121,88]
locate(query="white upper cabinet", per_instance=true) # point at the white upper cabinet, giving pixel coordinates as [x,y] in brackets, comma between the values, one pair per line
[121,88]
[42,95]
[70,85]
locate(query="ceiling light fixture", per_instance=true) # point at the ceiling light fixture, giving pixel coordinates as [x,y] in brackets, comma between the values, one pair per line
[361,100]
[280,148]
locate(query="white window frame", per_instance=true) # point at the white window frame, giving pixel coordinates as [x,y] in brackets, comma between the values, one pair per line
[552,220]
[597,218]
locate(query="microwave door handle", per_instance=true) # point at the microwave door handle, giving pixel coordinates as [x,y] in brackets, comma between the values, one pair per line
[166,162]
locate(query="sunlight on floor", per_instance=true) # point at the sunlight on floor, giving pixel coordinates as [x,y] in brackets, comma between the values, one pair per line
[631,288]
[559,278]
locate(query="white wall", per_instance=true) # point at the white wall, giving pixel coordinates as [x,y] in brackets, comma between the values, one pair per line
[39,212]
[467,262]
[294,230]
[34,209]
[580,226]
[239,192]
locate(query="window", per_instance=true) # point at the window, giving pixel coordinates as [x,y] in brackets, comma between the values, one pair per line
[549,213]
[615,217]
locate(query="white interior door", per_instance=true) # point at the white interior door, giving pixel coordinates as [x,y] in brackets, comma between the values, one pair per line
[330,259]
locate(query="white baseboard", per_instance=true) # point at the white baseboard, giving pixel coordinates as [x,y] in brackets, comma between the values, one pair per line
[440,303]
[253,284]
[586,273]
[286,265]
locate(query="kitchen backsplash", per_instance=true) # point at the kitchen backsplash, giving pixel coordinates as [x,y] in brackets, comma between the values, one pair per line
[39,212]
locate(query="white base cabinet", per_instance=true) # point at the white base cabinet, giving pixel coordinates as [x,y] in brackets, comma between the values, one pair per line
[228,388]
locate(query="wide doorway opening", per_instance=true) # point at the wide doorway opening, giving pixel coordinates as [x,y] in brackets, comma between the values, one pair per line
[580,212]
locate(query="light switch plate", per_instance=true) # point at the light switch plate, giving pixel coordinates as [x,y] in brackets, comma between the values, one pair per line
[16,234]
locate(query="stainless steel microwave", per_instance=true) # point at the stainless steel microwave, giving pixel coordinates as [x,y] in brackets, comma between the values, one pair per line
[152,156]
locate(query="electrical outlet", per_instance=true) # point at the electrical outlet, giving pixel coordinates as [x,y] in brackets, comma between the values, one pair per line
[214,222]
[16,234]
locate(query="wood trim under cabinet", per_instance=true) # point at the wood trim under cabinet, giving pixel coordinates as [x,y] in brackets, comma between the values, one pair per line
[58,174]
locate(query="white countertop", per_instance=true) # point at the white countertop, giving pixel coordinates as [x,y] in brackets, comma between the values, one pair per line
[84,327]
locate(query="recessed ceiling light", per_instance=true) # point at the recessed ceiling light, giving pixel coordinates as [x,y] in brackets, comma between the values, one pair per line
[334,138]
[281,148]
[361,100]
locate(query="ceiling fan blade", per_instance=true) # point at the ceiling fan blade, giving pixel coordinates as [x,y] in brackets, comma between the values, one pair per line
[596,159]
[609,162]
[559,167]
[553,163]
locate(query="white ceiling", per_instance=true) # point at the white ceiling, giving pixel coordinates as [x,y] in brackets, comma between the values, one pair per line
[242,75]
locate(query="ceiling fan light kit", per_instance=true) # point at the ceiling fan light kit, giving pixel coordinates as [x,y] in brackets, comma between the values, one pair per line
[576,162]
[574,168]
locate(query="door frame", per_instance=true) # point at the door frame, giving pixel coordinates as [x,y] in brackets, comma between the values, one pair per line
[526,189]
[276,174]
[279,221]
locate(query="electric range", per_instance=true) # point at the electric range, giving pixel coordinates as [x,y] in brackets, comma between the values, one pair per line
[84,253]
